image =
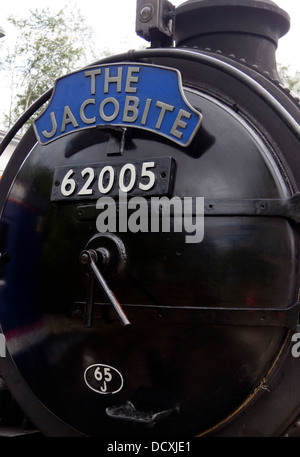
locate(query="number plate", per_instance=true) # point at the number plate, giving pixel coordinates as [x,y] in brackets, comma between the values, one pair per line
[86,182]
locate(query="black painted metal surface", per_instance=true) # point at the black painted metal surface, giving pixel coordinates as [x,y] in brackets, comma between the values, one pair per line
[210,323]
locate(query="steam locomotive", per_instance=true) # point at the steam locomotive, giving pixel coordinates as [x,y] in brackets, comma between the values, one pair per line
[149,237]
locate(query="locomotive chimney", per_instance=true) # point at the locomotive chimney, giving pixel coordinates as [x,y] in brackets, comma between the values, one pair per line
[246,30]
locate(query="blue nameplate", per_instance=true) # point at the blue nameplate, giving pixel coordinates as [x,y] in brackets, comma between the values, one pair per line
[127,95]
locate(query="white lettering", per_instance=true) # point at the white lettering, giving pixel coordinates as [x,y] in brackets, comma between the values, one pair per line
[106,221]
[107,170]
[68,118]
[198,227]
[163,205]
[296,347]
[54,127]
[148,174]
[180,123]
[2,345]
[123,212]
[146,111]
[164,108]
[126,103]
[112,79]
[131,79]
[130,170]
[92,74]
[167,446]
[131,106]
[103,104]
[124,447]
[138,221]
[86,190]
[87,120]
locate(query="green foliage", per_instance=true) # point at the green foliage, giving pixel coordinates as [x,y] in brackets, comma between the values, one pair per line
[292,81]
[46,48]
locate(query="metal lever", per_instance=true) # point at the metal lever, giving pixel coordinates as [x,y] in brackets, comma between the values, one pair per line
[89,258]
[89,303]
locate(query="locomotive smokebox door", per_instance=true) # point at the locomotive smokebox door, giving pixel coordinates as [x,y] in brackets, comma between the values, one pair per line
[150,232]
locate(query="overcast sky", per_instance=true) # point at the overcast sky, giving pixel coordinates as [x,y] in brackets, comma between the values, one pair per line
[114,21]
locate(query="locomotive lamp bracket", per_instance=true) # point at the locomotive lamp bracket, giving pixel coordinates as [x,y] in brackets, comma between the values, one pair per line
[155,21]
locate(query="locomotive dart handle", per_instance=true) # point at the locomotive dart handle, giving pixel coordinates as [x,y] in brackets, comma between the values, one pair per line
[89,304]
[90,257]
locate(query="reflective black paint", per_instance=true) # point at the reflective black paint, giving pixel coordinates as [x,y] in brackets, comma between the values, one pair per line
[167,357]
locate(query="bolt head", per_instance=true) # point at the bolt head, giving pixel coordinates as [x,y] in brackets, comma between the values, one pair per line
[84,258]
